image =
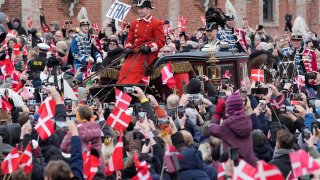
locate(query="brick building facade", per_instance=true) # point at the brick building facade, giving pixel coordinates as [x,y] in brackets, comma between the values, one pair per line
[270,13]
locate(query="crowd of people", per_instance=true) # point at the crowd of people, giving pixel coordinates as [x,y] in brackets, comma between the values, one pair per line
[209,132]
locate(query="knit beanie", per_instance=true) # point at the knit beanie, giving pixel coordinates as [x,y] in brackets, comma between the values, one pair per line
[234,104]
[194,86]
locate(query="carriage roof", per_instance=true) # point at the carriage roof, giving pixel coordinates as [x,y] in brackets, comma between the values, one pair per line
[199,56]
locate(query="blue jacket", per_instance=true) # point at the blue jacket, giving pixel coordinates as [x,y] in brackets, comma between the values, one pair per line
[191,165]
[192,128]
[76,161]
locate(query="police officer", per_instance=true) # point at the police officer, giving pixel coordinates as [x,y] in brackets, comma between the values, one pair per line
[38,64]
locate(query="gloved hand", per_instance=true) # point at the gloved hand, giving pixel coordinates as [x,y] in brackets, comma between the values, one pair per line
[145,50]
[99,60]
[128,51]
[90,59]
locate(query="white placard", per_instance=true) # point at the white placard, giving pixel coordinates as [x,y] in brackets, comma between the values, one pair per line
[118,11]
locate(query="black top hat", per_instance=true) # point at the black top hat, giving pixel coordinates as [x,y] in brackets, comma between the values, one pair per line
[211,26]
[144,3]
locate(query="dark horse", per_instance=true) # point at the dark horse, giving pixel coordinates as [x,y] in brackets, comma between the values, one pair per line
[262,59]
[216,15]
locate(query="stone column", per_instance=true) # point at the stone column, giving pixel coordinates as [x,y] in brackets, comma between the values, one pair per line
[31,9]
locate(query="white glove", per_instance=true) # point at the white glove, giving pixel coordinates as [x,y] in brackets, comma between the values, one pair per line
[90,59]
[99,60]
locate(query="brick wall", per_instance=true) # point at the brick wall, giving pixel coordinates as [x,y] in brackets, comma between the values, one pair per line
[58,10]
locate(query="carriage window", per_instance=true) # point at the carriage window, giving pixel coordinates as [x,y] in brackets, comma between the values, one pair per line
[268,10]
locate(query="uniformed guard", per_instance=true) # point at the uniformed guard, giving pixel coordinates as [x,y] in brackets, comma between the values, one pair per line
[145,39]
[212,44]
[81,46]
[38,64]
[234,38]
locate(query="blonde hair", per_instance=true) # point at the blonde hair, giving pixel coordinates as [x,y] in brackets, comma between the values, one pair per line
[206,151]
[188,139]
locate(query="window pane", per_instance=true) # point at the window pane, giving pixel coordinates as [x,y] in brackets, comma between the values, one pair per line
[268,10]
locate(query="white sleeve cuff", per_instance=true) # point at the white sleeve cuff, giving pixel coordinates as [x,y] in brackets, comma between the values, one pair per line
[154,47]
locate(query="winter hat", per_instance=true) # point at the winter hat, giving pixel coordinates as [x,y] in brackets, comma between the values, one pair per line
[220,109]
[160,113]
[194,86]
[258,138]
[234,104]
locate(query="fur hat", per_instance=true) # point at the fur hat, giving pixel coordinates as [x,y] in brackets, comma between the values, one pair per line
[144,3]
[83,17]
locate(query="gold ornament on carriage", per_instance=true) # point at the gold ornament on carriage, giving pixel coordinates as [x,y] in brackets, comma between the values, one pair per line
[213,70]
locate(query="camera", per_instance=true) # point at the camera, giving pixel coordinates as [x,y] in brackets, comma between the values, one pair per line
[296,97]
[163,121]
[259,90]
[128,90]
[263,105]
[180,111]
[311,75]
[313,103]
[141,116]
[68,105]
[54,61]
[306,134]
[224,83]
[195,99]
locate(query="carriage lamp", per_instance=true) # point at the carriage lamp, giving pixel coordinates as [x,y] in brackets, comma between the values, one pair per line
[214,71]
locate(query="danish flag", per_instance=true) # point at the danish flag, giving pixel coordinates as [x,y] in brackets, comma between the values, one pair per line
[90,164]
[257,75]
[145,80]
[244,171]
[95,27]
[12,33]
[182,24]
[11,162]
[16,49]
[171,152]
[25,51]
[203,19]
[29,23]
[87,73]
[167,76]
[48,105]
[5,105]
[118,119]
[116,160]
[26,159]
[6,67]
[268,172]
[302,164]
[123,100]
[300,81]
[142,170]
[45,27]
[221,171]
[15,79]
[277,103]
[44,127]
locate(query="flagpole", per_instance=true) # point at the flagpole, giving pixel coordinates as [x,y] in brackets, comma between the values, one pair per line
[162,171]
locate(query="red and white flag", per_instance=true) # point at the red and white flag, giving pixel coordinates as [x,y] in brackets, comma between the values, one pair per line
[12,33]
[25,51]
[26,159]
[52,46]
[118,119]
[221,171]
[300,81]
[11,163]
[48,105]
[90,164]
[44,126]
[244,171]
[302,164]
[95,27]
[167,76]
[116,160]
[29,23]
[7,67]
[15,79]
[16,49]
[45,27]
[182,24]
[142,169]
[123,100]
[227,74]
[277,103]
[145,80]
[203,19]
[87,73]
[171,152]
[268,172]
[257,75]
[5,105]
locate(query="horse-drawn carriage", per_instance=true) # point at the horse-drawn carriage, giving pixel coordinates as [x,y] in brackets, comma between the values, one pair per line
[184,66]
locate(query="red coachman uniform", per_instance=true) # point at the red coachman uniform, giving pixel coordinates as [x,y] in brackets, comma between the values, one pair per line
[143,32]
[309,58]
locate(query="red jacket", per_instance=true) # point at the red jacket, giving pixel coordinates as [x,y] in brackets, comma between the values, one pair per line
[143,32]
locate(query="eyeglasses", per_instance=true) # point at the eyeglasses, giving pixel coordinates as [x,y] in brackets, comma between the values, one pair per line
[166,51]
[113,44]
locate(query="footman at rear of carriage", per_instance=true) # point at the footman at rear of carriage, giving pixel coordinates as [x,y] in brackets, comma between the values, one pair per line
[145,39]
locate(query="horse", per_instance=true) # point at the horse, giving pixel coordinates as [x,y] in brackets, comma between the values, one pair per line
[262,59]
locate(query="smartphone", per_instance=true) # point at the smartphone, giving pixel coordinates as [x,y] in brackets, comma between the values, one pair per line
[263,105]
[314,126]
[68,105]
[180,111]
[147,141]
[163,121]
[234,155]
